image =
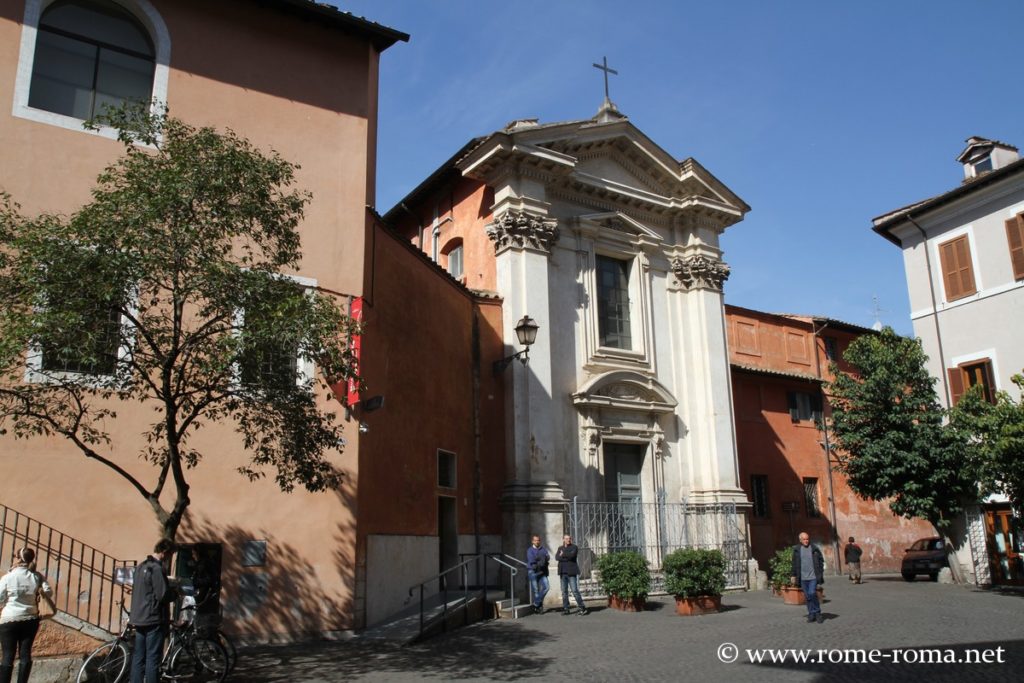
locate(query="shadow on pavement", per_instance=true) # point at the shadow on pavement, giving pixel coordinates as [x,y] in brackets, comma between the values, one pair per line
[498,652]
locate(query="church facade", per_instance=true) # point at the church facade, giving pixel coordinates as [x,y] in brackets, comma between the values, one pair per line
[619,425]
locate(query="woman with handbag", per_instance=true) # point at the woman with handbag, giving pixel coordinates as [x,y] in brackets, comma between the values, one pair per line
[20,591]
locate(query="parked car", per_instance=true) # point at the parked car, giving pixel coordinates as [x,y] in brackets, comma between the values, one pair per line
[925,556]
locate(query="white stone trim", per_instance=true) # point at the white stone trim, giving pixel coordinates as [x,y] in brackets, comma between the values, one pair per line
[945,306]
[142,10]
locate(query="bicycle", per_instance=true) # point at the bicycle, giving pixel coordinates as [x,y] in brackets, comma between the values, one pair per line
[187,657]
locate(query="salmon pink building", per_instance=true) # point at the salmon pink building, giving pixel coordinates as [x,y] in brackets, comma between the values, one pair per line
[787,464]
[300,78]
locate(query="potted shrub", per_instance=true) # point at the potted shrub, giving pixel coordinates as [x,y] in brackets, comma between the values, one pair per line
[780,567]
[696,577]
[624,576]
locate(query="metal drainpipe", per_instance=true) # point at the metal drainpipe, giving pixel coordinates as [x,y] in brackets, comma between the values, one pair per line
[935,310]
[828,449]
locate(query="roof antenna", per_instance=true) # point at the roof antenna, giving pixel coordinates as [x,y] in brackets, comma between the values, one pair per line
[877,313]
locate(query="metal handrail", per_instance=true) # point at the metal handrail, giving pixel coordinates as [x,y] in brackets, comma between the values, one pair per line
[511,580]
[444,590]
[81,575]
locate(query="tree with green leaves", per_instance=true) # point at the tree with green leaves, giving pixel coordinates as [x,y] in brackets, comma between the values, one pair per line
[170,289]
[996,434]
[893,443]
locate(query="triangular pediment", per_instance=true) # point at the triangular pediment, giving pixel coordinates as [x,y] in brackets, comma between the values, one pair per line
[616,221]
[604,164]
[615,168]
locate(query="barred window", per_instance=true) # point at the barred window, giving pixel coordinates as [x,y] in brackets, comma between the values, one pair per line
[85,344]
[759,495]
[446,469]
[811,497]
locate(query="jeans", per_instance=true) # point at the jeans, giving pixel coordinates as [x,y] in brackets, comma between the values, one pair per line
[811,594]
[17,637]
[149,646]
[571,583]
[540,585]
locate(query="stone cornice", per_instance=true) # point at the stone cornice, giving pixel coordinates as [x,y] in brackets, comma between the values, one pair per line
[700,272]
[519,229]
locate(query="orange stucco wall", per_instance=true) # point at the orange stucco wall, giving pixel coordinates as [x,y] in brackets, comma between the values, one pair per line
[787,452]
[418,352]
[308,92]
[461,209]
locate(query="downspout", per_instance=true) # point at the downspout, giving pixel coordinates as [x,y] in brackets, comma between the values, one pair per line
[935,310]
[954,567]
[828,449]
[476,437]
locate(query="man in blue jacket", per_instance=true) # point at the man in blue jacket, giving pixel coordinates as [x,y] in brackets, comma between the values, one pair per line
[809,569]
[152,595]
[537,559]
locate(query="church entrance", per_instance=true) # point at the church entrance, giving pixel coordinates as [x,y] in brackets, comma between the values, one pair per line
[622,486]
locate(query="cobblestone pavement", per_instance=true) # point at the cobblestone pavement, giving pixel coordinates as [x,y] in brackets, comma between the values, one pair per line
[884,614]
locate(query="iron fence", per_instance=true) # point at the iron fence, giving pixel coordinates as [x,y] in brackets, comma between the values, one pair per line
[655,530]
[81,576]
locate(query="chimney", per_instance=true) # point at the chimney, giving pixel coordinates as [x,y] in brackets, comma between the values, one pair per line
[984,156]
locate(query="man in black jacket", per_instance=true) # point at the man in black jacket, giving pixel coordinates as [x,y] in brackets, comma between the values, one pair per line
[152,595]
[569,572]
[852,554]
[809,569]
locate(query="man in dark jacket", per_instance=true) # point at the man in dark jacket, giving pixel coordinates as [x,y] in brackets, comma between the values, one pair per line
[537,559]
[569,572]
[809,569]
[152,595]
[852,554]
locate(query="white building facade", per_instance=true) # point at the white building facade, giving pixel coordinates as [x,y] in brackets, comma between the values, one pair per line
[619,429]
[964,258]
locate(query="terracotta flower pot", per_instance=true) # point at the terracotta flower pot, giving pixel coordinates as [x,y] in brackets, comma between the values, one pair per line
[794,595]
[702,604]
[627,604]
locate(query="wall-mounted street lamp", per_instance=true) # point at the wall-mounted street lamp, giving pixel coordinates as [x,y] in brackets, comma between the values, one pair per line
[526,331]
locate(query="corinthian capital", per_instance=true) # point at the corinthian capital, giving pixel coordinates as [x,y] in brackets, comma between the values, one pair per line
[700,272]
[521,229]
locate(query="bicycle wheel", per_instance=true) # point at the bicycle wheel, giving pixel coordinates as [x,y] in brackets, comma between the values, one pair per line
[200,659]
[229,648]
[106,664]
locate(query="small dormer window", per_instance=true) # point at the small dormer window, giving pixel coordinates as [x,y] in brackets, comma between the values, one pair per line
[983,165]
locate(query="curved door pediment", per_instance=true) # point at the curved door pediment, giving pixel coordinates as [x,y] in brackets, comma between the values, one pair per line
[625,390]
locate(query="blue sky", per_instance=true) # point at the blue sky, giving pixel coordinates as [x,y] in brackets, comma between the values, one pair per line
[820,114]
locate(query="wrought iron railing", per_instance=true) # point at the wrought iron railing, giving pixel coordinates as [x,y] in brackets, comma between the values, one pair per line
[81,576]
[449,582]
[656,529]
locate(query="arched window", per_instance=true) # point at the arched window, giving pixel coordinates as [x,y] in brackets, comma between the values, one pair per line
[88,54]
[453,256]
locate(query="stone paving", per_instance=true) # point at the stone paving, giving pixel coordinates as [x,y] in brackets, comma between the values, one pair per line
[884,614]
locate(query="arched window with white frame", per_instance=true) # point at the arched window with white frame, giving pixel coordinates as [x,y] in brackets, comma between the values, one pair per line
[80,56]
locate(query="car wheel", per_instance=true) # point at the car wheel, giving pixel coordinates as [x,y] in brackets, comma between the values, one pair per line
[907,576]
[934,576]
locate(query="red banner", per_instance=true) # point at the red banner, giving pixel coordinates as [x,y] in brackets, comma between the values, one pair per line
[356,313]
